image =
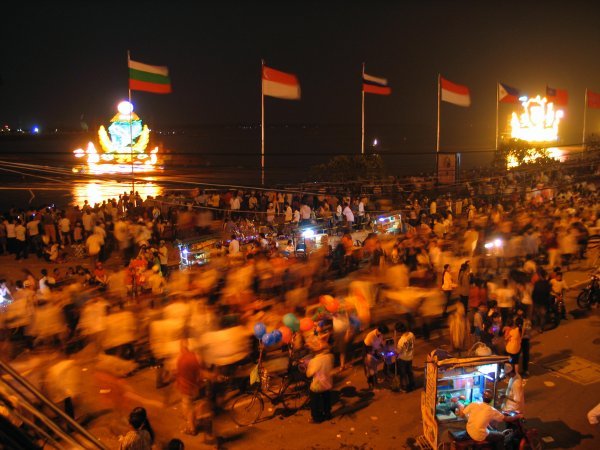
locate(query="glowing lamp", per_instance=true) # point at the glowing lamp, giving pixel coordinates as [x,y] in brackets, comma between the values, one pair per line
[308,233]
[125,108]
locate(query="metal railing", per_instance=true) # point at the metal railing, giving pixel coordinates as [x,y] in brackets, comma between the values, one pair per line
[23,405]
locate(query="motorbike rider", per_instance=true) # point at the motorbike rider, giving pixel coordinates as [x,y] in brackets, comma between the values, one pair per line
[479,417]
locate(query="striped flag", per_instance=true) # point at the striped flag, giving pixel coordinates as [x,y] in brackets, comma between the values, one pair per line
[455,93]
[508,94]
[559,97]
[280,84]
[144,77]
[375,85]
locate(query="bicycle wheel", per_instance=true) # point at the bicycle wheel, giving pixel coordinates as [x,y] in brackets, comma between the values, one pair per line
[247,409]
[583,299]
[295,396]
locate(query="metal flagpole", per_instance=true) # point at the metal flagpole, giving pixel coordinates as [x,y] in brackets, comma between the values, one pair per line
[362,89]
[131,135]
[585,106]
[437,142]
[497,102]
[262,125]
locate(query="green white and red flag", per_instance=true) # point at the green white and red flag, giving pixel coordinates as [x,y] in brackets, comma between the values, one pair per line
[144,77]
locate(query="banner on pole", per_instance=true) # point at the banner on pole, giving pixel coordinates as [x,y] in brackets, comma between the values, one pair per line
[447,167]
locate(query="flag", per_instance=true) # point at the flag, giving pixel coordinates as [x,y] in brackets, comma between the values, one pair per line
[557,96]
[455,93]
[144,77]
[375,85]
[280,84]
[507,94]
[593,100]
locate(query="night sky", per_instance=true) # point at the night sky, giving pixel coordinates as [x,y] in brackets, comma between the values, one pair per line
[62,60]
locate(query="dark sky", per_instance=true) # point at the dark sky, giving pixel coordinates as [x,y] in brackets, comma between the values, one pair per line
[61,60]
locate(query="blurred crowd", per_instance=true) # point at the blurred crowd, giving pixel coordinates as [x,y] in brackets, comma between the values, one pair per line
[485,265]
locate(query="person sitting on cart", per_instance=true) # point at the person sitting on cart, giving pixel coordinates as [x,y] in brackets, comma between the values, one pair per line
[374,344]
[480,415]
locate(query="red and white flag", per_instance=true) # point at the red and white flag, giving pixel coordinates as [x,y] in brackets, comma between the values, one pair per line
[375,85]
[280,84]
[455,93]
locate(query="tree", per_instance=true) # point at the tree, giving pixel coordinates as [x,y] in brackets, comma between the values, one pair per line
[349,168]
[518,153]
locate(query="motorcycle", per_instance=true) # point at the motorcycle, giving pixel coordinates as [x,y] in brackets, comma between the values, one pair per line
[519,437]
[590,294]
[516,436]
[557,310]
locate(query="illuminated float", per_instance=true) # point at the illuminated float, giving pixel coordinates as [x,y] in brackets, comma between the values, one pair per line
[537,124]
[123,148]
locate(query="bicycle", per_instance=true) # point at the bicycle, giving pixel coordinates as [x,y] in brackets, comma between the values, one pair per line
[292,391]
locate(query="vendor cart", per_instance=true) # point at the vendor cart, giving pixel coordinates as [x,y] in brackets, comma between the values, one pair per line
[196,251]
[448,378]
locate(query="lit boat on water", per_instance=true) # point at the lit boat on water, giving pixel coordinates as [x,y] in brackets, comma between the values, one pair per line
[123,148]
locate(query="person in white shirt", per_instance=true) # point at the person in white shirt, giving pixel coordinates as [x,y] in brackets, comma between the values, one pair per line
[288,213]
[349,215]
[305,211]
[514,399]
[479,417]
[234,246]
[373,346]
[405,349]
[361,212]
[320,369]
[64,225]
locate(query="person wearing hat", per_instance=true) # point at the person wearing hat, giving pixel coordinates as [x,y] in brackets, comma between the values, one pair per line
[479,417]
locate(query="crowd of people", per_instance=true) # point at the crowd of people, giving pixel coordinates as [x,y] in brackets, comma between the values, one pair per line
[488,266]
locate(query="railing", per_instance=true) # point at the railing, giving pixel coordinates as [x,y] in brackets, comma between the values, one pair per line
[24,404]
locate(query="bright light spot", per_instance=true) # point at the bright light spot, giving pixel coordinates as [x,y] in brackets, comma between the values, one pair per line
[79,153]
[538,122]
[36,130]
[185,252]
[523,98]
[498,243]
[375,142]
[125,108]
[489,245]
[308,233]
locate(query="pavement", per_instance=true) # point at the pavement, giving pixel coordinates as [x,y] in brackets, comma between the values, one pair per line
[564,385]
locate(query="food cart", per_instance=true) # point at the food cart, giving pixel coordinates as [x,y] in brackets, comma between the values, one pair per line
[196,251]
[448,378]
[389,223]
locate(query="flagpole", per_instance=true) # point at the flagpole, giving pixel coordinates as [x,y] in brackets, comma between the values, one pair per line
[585,104]
[131,134]
[362,141]
[497,103]
[437,141]
[262,125]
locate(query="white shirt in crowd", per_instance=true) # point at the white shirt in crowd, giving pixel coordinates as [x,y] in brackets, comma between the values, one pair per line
[348,214]
[234,247]
[480,416]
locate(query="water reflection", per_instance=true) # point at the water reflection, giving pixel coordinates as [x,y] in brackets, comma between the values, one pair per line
[98,191]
